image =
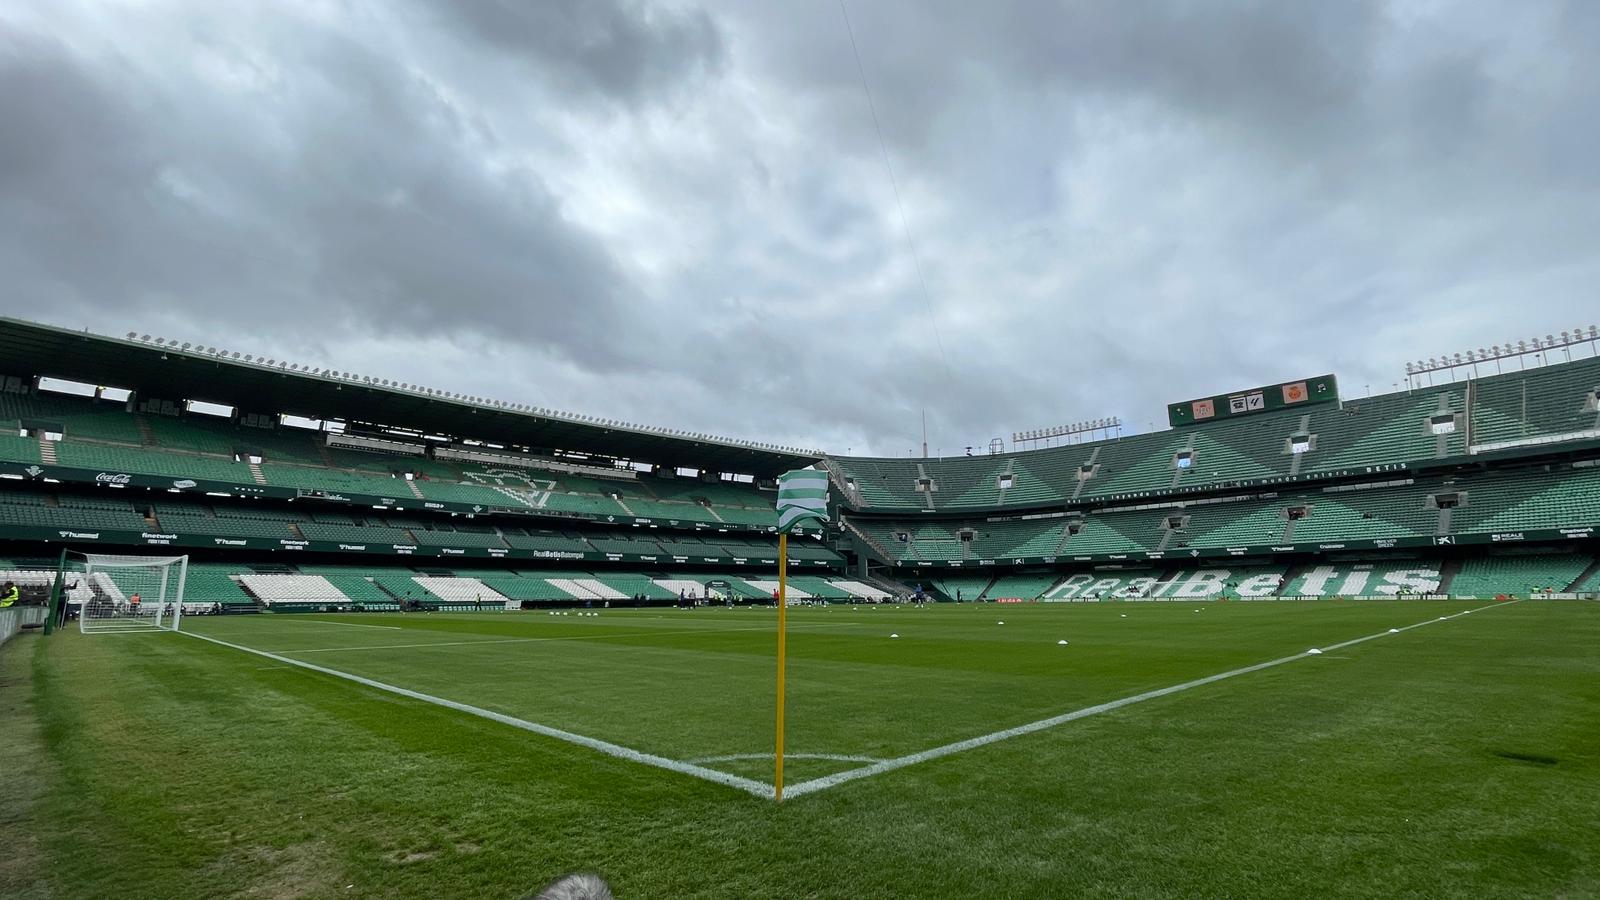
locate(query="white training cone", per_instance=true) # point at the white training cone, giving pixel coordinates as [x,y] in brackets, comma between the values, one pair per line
[1394,631]
[1314,652]
[1124,615]
[1061,642]
[999,623]
[894,635]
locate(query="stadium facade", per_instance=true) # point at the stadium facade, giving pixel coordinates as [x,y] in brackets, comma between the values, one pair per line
[1477,487]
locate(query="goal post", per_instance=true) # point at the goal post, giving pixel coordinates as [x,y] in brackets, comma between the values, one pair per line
[112,593]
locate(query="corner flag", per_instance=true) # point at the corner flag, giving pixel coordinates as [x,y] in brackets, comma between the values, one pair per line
[802,495]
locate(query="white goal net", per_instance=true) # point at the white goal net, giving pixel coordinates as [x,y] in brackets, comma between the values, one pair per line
[125,593]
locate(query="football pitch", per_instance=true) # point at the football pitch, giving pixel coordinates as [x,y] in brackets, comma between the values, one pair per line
[1165,749]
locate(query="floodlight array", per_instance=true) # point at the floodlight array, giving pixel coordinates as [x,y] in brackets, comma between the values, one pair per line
[1085,427]
[233,356]
[1508,350]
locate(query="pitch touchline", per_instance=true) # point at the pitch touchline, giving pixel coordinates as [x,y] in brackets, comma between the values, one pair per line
[755,788]
[900,762]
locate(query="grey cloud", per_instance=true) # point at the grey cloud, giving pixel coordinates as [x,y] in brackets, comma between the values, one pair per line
[619,49]
[362,205]
[634,210]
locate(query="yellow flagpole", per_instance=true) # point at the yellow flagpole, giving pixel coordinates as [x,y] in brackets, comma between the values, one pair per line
[783,608]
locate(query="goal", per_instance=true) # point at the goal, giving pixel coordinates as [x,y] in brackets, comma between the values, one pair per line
[124,593]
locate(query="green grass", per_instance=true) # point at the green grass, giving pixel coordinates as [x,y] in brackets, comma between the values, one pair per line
[1457,759]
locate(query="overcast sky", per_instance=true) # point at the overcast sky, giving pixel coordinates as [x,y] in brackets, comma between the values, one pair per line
[683,214]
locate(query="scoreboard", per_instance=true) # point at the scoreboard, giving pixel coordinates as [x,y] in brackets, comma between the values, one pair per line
[1307,391]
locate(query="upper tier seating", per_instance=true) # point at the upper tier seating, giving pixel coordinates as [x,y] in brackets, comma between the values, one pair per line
[1542,404]
[40,516]
[318,531]
[225,527]
[104,436]
[1551,403]
[1557,496]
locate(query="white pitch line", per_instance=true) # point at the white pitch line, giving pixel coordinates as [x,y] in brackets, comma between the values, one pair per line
[343,624]
[900,762]
[439,644]
[570,637]
[830,757]
[749,786]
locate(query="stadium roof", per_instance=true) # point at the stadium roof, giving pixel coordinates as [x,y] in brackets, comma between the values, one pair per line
[173,373]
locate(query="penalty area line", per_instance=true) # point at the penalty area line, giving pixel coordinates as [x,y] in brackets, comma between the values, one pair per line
[340,624]
[900,762]
[544,640]
[749,786]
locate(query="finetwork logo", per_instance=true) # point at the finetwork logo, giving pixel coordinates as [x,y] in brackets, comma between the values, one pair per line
[183,483]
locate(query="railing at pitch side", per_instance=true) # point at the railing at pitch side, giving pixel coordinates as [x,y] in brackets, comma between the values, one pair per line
[14,618]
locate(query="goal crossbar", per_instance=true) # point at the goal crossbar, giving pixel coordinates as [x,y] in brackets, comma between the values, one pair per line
[117,593]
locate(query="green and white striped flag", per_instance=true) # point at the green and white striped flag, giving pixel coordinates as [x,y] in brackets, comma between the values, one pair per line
[802,495]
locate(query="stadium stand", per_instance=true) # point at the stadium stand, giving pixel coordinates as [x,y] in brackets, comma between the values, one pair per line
[1377,431]
[205,583]
[1488,462]
[968,587]
[278,591]
[1548,405]
[104,436]
[1518,574]
[1020,587]
[355,534]
[458,590]
[857,590]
